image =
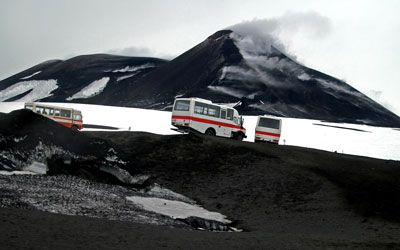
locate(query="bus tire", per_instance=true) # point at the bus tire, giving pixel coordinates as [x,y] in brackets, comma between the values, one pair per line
[74,128]
[239,137]
[210,132]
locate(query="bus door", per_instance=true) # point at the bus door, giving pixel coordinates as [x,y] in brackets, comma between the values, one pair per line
[226,130]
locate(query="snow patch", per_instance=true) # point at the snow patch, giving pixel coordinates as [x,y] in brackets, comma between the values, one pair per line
[385,141]
[27,77]
[125,77]
[176,209]
[3,172]
[36,167]
[39,90]
[93,89]
[134,68]
[226,90]
[162,192]
[304,77]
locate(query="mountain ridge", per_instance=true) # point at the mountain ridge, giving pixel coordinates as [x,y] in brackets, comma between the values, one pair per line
[246,72]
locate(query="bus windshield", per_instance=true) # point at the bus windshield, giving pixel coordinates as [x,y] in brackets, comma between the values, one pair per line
[182,105]
[268,123]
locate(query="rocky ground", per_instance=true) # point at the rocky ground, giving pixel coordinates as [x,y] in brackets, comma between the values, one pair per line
[282,197]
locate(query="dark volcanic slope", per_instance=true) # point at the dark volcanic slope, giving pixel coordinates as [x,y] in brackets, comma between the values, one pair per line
[76,73]
[190,74]
[249,176]
[284,197]
[26,137]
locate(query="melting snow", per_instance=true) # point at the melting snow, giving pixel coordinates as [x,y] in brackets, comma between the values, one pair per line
[3,172]
[176,209]
[226,90]
[125,77]
[134,68]
[304,77]
[92,89]
[39,90]
[36,167]
[27,77]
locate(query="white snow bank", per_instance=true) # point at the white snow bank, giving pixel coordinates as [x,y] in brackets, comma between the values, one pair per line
[93,89]
[2,172]
[27,77]
[162,192]
[130,119]
[176,209]
[377,142]
[36,167]
[39,90]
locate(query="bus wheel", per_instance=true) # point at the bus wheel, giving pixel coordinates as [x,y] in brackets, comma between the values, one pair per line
[239,137]
[210,132]
[74,128]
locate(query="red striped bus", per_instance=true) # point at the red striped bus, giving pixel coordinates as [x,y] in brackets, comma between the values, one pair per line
[268,129]
[68,117]
[203,116]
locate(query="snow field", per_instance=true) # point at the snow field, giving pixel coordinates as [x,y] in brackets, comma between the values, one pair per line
[376,142]
[176,209]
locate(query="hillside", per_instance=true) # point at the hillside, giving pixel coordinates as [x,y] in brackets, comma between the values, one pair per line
[283,197]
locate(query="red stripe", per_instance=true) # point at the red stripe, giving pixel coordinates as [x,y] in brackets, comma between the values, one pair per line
[267,133]
[206,121]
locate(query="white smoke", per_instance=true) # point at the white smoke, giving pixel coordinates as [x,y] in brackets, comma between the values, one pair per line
[278,31]
[376,95]
[257,38]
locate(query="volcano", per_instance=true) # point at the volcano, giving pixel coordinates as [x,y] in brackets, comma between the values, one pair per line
[248,73]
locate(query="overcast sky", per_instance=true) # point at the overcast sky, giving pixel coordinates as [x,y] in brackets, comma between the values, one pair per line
[354,40]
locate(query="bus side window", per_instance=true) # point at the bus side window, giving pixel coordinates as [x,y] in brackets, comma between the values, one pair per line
[51,111]
[47,111]
[39,110]
[213,111]
[200,108]
[65,113]
[57,112]
[230,114]
[223,114]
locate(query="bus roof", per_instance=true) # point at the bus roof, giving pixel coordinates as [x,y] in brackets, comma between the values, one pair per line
[195,98]
[270,116]
[50,106]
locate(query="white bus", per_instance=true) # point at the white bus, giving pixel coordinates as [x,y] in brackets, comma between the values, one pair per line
[200,115]
[268,129]
[68,117]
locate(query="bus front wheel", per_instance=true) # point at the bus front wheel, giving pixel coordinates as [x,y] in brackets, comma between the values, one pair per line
[239,137]
[210,132]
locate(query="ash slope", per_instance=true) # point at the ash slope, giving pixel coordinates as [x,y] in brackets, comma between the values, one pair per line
[225,68]
[284,197]
[118,73]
